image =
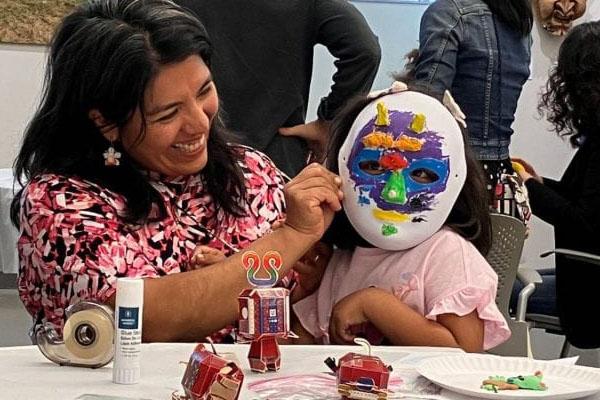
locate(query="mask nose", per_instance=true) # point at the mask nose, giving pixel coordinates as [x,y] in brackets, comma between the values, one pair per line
[394,190]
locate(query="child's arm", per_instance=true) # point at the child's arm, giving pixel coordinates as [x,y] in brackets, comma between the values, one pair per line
[304,336]
[204,256]
[310,269]
[401,324]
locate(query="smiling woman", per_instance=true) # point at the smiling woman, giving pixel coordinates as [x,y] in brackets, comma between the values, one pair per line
[182,103]
[129,170]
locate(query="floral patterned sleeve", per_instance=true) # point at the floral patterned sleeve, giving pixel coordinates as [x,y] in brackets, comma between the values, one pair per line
[265,184]
[72,246]
[264,203]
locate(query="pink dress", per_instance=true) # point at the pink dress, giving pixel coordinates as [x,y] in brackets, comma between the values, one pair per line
[74,242]
[443,275]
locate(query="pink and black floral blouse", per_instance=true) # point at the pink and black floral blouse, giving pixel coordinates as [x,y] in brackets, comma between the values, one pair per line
[74,243]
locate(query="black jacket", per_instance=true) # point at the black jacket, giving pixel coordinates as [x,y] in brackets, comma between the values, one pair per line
[572,206]
[263,60]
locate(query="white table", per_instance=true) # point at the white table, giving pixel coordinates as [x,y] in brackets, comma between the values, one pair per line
[26,374]
[9,263]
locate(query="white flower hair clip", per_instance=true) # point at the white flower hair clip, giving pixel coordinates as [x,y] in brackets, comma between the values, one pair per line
[396,87]
[449,102]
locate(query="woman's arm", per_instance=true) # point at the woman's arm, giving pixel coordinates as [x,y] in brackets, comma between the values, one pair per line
[401,324]
[192,305]
[72,248]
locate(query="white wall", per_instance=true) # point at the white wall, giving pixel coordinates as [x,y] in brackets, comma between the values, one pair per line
[21,77]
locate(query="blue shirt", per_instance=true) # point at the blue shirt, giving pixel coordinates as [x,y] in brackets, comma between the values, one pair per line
[482,61]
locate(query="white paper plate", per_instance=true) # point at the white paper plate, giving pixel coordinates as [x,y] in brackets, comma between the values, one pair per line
[465,373]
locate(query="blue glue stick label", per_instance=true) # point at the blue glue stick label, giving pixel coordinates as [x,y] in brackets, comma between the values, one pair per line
[128,317]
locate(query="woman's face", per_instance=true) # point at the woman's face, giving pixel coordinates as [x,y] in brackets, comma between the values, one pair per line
[179,105]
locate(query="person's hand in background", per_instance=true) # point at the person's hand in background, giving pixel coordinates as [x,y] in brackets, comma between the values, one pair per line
[316,134]
[525,170]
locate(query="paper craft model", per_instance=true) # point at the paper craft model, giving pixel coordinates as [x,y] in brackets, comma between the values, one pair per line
[264,317]
[361,376]
[209,376]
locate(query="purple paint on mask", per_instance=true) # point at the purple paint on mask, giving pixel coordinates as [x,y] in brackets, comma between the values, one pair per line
[374,184]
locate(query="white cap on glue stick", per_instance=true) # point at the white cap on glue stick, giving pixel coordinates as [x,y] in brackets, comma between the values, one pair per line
[129,307]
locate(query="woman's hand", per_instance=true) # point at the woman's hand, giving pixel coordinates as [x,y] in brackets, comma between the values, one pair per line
[525,170]
[346,313]
[312,198]
[203,256]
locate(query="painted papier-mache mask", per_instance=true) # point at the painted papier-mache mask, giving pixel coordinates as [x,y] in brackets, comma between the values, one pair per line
[403,166]
[557,16]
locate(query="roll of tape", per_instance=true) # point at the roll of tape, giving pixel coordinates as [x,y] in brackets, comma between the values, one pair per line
[89,334]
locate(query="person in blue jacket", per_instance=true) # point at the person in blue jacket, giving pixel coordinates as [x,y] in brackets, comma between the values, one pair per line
[480,51]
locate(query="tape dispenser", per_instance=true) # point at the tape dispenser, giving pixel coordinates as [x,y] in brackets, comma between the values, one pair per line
[87,340]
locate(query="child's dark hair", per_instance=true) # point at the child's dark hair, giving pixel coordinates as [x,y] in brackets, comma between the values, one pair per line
[408,73]
[470,216]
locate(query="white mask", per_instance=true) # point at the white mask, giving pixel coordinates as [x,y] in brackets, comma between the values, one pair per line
[403,167]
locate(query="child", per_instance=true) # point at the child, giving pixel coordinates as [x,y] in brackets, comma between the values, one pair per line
[408,267]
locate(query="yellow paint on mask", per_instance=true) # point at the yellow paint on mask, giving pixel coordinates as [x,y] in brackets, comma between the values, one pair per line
[418,123]
[383,116]
[390,216]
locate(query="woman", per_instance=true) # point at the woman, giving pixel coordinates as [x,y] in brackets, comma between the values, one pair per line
[572,205]
[128,171]
[480,51]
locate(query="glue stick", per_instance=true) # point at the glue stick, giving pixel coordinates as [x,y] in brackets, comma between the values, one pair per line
[128,324]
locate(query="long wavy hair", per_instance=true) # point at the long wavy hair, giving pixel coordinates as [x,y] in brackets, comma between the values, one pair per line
[103,56]
[470,215]
[516,13]
[571,100]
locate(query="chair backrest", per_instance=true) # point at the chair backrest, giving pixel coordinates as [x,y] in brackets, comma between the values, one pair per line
[508,237]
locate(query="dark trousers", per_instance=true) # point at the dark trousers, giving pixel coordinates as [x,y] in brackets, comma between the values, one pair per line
[543,299]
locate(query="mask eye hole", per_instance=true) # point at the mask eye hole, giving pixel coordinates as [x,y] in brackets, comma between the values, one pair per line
[371,167]
[422,175]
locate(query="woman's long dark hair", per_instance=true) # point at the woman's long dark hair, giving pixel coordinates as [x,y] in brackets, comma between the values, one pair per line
[572,97]
[516,13]
[470,215]
[103,56]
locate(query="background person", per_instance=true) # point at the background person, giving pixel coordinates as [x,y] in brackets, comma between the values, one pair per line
[263,61]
